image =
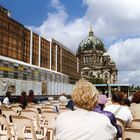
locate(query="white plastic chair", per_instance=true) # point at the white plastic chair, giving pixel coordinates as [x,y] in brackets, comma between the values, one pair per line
[131,134]
[5,132]
[21,123]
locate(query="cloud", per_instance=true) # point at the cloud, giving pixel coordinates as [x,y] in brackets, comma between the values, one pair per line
[57,26]
[115,22]
[126,54]
[114,19]
[111,20]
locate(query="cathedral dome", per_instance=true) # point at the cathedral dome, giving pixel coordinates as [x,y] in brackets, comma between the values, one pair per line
[90,42]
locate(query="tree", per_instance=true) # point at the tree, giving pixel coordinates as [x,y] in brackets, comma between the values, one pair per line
[132,87]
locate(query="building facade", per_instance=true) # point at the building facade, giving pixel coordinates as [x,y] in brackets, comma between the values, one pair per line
[24,55]
[93,61]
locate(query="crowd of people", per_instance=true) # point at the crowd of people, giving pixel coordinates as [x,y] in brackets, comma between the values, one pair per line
[23,99]
[89,116]
[93,117]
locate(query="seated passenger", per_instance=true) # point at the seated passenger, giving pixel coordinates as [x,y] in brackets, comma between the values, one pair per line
[31,97]
[102,100]
[6,100]
[118,109]
[136,98]
[126,100]
[23,100]
[70,104]
[83,123]
[135,105]
[63,98]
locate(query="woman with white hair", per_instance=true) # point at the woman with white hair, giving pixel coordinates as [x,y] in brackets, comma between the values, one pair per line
[83,123]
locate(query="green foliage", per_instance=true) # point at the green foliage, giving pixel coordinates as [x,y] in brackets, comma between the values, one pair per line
[132,87]
[135,87]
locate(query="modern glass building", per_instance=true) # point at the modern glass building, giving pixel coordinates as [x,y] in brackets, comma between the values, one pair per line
[31,60]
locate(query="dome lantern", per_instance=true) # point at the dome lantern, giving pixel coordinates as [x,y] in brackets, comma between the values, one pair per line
[90,42]
[91,31]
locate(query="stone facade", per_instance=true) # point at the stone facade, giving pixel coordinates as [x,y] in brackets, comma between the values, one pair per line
[94,62]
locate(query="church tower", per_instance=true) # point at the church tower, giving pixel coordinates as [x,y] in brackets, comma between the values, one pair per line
[93,61]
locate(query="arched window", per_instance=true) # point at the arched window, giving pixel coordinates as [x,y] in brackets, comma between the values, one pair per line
[106,75]
[91,74]
[90,59]
[86,61]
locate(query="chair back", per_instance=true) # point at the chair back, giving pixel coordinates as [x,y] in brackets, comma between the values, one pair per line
[21,123]
[131,134]
[135,109]
[33,116]
[7,113]
[47,108]
[5,132]
[31,108]
[16,108]
[121,123]
[49,117]
[135,123]
[64,110]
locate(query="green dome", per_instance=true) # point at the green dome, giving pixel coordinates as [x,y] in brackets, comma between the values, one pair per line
[90,42]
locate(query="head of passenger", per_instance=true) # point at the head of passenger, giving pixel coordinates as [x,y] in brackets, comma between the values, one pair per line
[23,93]
[136,97]
[126,100]
[31,96]
[102,99]
[117,97]
[84,95]
[8,94]
[63,94]
[31,93]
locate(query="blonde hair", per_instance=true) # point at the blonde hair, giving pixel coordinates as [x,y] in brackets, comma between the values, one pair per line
[85,95]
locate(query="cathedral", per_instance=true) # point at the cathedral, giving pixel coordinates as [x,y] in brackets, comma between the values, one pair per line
[93,61]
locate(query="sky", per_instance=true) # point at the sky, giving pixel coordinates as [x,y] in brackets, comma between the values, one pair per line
[115,22]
